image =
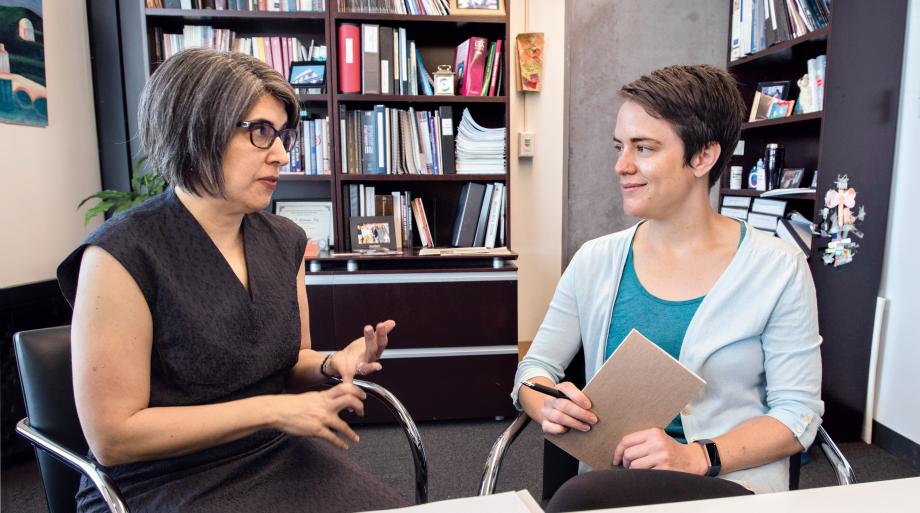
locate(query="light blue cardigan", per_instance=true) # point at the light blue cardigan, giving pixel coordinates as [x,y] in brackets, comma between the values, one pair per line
[754,339]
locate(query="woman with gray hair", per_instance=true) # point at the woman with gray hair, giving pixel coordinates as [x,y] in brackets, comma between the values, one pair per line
[191,338]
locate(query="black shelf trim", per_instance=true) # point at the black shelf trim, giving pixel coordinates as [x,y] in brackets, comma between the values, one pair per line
[756,194]
[798,118]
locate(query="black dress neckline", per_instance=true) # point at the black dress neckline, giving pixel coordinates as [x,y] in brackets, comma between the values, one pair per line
[206,243]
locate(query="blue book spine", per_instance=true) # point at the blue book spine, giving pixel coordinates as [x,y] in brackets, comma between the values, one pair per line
[312,138]
[427,90]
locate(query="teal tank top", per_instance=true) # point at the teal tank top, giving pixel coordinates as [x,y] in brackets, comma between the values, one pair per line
[661,321]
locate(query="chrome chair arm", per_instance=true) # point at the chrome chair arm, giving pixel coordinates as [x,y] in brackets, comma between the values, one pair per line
[497,454]
[419,455]
[106,486]
[845,474]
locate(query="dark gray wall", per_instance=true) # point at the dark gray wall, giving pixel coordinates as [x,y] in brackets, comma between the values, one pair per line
[610,43]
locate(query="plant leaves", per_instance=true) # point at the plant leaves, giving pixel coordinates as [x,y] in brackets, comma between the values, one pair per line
[100,208]
[103,195]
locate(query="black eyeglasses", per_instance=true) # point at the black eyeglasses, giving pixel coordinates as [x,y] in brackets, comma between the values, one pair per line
[262,134]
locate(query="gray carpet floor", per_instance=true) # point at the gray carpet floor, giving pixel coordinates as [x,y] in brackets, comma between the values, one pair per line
[456,455]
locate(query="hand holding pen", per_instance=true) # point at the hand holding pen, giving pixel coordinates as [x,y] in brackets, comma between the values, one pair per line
[565,407]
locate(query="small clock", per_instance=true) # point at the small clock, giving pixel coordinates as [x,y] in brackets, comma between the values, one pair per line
[443,81]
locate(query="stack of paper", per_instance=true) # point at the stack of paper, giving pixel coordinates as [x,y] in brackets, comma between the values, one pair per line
[480,150]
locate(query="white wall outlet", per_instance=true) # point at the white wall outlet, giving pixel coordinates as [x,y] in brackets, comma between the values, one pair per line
[525,144]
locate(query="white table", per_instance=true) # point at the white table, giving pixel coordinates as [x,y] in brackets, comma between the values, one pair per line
[895,496]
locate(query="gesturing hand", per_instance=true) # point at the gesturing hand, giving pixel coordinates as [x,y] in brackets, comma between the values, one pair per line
[654,449]
[573,412]
[361,355]
[317,413]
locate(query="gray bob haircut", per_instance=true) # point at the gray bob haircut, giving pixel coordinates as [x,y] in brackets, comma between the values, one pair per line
[190,107]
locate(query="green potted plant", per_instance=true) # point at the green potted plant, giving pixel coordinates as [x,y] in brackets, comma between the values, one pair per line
[143,187]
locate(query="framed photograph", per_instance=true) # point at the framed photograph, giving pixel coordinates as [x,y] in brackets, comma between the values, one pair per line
[778,89]
[792,177]
[372,233]
[761,107]
[779,108]
[477,7]
[308,74]
[315,217]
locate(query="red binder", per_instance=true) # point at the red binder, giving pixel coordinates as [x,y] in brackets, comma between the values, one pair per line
[349,56]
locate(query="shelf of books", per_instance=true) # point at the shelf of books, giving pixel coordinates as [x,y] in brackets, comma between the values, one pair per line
[376,144]
[777,52]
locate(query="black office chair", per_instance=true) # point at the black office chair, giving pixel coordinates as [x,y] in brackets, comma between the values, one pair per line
[559,466]
[43,357]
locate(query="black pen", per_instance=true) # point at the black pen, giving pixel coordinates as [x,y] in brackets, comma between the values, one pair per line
[543,389]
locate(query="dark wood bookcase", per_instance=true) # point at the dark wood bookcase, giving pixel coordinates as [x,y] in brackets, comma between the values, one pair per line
[457,316]
[854,135]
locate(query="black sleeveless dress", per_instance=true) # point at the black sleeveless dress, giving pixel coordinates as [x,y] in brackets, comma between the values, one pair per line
[214,341]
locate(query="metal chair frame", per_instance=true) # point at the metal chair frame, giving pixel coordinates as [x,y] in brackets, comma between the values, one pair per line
[116,504]
[842,468]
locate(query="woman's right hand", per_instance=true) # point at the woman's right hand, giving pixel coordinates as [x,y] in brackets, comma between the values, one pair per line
[573,412]
[317,413]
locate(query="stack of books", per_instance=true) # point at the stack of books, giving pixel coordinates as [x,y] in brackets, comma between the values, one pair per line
[311,155]
[480,217]
[240,5]
[277,52]
[402,206]
[759,24]
[769,215]
[390,141]
[480,150]
[478,64]
[375,59]
[420,7]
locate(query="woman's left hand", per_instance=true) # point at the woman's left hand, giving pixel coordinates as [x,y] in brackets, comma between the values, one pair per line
[361,356]
[654,449]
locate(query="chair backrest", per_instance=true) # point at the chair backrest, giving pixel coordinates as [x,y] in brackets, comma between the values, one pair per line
[559,466]
[43,357]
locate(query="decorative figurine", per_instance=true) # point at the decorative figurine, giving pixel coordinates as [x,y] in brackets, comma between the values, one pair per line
[839,224]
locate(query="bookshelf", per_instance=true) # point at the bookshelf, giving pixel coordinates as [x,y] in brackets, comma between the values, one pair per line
[430,297]
[854,134]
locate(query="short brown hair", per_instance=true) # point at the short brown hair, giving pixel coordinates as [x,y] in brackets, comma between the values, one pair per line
[701,102]
[190,107]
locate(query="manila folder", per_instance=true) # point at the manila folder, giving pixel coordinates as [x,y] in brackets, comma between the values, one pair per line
[639,387]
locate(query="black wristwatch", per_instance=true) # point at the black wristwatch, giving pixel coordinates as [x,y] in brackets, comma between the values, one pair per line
[712,453]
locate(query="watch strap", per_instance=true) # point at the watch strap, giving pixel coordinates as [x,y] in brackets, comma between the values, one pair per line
[712,454]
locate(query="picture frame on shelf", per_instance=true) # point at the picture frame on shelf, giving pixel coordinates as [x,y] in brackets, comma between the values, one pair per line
[778,89]
[372,233]
[314,217]
[477,7]
[792,177]
[308,77]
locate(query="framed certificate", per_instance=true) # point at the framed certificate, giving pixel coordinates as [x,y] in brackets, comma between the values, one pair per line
[315,217]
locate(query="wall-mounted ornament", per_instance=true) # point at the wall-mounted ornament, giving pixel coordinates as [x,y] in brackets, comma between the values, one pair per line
[838,223]
[530,61]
